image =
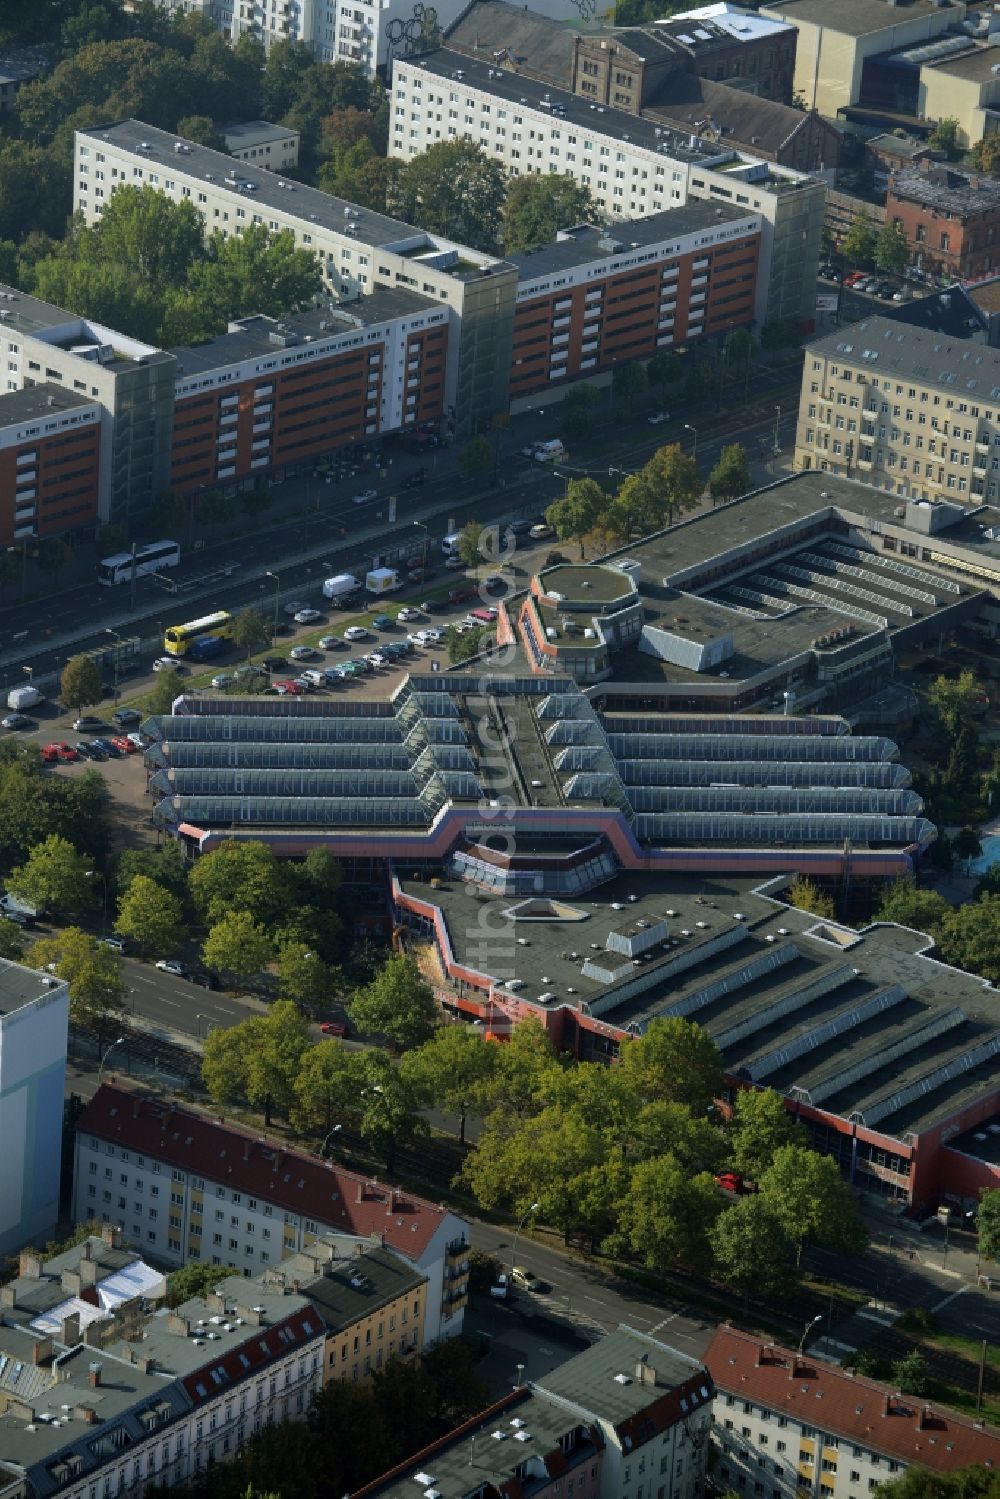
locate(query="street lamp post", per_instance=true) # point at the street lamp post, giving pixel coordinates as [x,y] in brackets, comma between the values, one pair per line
[513,1248]
[423,554]
[326,1139]
[100,1070]
[777,423]
[694,446]
[277,586]
[807,1330]
[118,650]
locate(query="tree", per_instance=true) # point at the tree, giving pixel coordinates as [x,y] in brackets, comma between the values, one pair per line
[259,1060]
[664,368]
[12,944]
[538,207]
[250,631]
[667,1215]
[986,155]
[629,381]
[476,457]
[977,1482]
[201,129]
[731,475]
[242,877]
[455,190]
[256,271]
[55,877]
[164,692]
[166,865]
[196,1278]
[578,512]
[905,903]
[668,485]
[238,945]
[80,684]
[474,543]
[892,249]
[398,1004]
[303,977]
[806,1191]
[93,973]
[451,1071]
[751,1249]
[388,1105]
[911,1375]
[806,895]
[858,245]
[988,1223]
[325,1087]
[968,846]
[970,937]
[759,1127]
[150,916]
[675,1061]
[954,701]
[578,407]
[944,137]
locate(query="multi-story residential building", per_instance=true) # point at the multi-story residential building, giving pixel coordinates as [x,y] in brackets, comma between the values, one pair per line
[269,396]
[835,42]
[15,72]
[632,166]
[50,454]
[71,358]
[601,297]
[909,409]
[34,1019]
[733,117]
[787,1424]
[182,1186]
[372,1303]
[359,250]
[628,1418]
[129,1396]
[262,144]
[951,219]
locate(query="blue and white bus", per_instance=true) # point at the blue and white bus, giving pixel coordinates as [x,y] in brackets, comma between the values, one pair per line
[151,558]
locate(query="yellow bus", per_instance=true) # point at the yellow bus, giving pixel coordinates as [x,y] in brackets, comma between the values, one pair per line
[179,639]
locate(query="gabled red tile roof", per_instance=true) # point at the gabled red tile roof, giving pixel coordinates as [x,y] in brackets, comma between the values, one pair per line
[262,1346]
[339,1200]
[665,1411]
[862,1411]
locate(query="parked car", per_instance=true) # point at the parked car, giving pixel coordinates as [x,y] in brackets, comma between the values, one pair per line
[382,622]
[222,680]
[541,531]
[658,417]
[117,944]
[364,497]
[330,643]
[355,632]
[734,1181]
[126,716]
[108,746]
[19,721]
[171,965]
[293,608]
[308,617]
[60,750]
[97,750]
[123,744]
[83,749]
[302,653]
[554,559]
[138,740]
[335,1028]
[288,689]
[86,722]
[527,1280]
[169,663]
[407,613]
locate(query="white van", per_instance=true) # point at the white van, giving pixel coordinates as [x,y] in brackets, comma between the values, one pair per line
[449,545]
[550,452]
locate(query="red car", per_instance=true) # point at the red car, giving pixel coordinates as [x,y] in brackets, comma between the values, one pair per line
[289,689]
[61,751]
[459,595]
[731,1181]
[854,276]
[124,743]
[335,1028]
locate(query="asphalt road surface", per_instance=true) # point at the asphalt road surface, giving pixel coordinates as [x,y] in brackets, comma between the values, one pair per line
[175,1004]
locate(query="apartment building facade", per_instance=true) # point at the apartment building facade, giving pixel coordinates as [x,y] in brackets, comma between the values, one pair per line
[903,408]
[50,453]
[951,219]
[600,297]
[633,167]
[184,1187]
[791,1426]
[34,1021]
[359,251]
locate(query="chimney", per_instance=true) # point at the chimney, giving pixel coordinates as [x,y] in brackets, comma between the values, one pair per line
[85,1250]
[887,1404]
[112,1235]
[30,1264]
[69,1333]
[136,1108]
[644,1372]
[41,1351]
[144,1363]
[88,1272]
[93,1375]
[246,1150]
[361,1191]
[93,1335]
[85,1413]
[250,1317]
[924,1418]
[20,1410]
[8,1296]
[215,1303]
[178,1325]
[71,1282]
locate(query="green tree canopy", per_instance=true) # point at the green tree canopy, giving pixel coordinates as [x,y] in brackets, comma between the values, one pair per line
[675,1061]
[151,916]
[988,1223]
[904,902]
[944,137]
[731,475]
[196,1278]
[759,1127]
[752,1250]
[326,1087]
[55,877]
[806,1191]
[538,207]
[242,877]
[665,487]
[81,684]
[166,865]
[398,1004]
[476,457]
[202,130]
[303,977]
[456,190]
[452,1071]
[92,971]
[250,631]
[578,410]
[858,245]
[258,1060]
[970,937]
[238,945]
[806,895]
[892,250]
[575,515]
[667,1215]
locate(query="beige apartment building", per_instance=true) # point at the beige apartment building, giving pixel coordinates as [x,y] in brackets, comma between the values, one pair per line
[908,409]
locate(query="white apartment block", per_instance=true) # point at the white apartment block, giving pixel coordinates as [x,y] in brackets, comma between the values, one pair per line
[181,1187]
[631,166]
[261,143]
[792,1426]
[34,1021]
[358,249]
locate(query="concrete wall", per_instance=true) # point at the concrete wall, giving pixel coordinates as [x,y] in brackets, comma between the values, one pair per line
[32,1082]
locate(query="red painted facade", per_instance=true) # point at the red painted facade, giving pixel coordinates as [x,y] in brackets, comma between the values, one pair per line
[61,484]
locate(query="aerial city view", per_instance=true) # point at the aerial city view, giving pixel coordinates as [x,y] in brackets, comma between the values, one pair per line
[500,749]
